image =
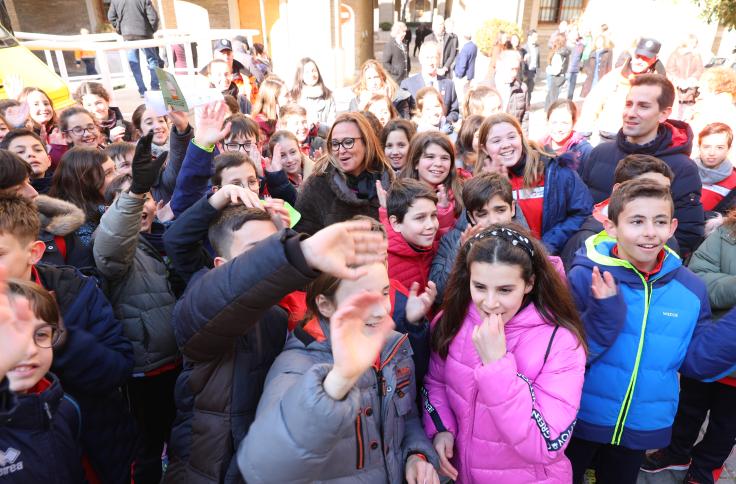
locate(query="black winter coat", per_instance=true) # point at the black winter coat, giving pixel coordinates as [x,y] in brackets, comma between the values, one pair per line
[672,145]
[396,60]
[230,331]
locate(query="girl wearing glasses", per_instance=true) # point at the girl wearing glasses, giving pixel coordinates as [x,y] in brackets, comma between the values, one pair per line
[40,437]
[343,184]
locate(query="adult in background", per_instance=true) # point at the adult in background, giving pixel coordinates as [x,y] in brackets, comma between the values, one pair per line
[530,64]
[429,59]
[447,42]
[576,46]
[647,130]
[465,64]
[423,31]
[137,20]
[558,61]
[684,68]
[598,64]
[396,54]
[513,92]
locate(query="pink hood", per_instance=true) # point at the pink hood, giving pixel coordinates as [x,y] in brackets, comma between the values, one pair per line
[511,418]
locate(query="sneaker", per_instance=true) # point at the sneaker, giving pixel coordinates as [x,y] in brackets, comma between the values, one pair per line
[661,460]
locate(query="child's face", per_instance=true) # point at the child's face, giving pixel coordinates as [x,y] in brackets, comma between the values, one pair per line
[220,76]
[376,281]
[3,129]
[17,256]
[159,125]
[495,211]
[373,81]
[33,153]
[243,175]
[432,110]
[498,288]
[40,108]
[291,156]
[641,231]
[397,147]
[559,125]
[381,111]
[504,145]
[82,130]
[148,214]
[420,223]
[36,361]
[491,105]
[124,163]
[297,124]
[434,165]
[233,143]
[311,75]
[109,168]
[97,105]
[714,149]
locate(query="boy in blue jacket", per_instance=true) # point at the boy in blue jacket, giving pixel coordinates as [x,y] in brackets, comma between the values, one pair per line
[94,359]
[646,317]
[39,439]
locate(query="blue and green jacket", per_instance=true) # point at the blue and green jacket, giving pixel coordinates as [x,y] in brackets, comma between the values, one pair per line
[638,340]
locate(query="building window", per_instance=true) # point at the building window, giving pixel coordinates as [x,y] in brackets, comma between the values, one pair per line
[555,11]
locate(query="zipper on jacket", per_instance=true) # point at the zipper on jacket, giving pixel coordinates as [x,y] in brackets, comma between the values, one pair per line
[359,440]
[618,430]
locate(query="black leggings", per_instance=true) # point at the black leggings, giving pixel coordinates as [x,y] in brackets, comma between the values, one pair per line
[613,464]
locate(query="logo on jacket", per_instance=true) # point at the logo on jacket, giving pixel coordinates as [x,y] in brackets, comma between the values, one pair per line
[8,464]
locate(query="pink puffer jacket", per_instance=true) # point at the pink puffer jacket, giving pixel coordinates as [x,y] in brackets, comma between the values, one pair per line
[511,418]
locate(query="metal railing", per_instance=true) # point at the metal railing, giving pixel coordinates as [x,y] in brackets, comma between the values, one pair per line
[102,44]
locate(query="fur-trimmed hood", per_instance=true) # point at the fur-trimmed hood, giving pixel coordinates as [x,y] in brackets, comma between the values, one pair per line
[59,217]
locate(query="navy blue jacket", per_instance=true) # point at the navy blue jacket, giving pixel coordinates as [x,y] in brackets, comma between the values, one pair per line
[465,61]
[672,145]
[93,363]
[164,186]
[567,203]
[447,90]
[39,439]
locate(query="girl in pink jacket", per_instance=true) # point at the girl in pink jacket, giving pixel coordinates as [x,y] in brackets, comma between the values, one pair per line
[507,364]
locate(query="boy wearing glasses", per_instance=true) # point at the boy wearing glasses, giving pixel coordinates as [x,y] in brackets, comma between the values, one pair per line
[95,358]
[39,439]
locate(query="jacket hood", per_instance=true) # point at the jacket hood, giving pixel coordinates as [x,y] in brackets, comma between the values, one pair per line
[59,217]
[673,137]
[597,252]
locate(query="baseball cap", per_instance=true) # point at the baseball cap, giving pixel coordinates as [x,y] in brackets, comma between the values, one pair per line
[648,48]
[223,44]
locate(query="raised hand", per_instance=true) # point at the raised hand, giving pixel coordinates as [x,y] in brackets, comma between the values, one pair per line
[210,129]
[117,133]
[145,169]
[318,153]
[255,155]
[13,85]
[274,163]
[419,471]
[164,213]
[234,194]
[381,194]
[470,232]
[489,339]
[604,286]
[442,200]
[16,327]
[278,212]
[180,120]
[443,443]
[418,306]
[354,345]
[343,249]
[17,116]
[55,137]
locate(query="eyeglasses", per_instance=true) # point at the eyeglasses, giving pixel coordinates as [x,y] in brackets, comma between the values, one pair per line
[238,146]
[254,185]
[47,336]
[346,143]
[80,131]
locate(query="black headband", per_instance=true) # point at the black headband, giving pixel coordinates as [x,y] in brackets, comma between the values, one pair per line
[509,235]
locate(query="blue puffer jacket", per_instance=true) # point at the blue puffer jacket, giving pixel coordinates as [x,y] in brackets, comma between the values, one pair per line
[638,340]
[567,202]
[92,364]
[39,439]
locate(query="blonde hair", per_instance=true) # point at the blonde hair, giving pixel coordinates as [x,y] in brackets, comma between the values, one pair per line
[388,82]
[720,80]
[374,161]
[534,167]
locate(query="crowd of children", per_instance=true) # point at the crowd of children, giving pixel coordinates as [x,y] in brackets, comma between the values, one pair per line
[279,292]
